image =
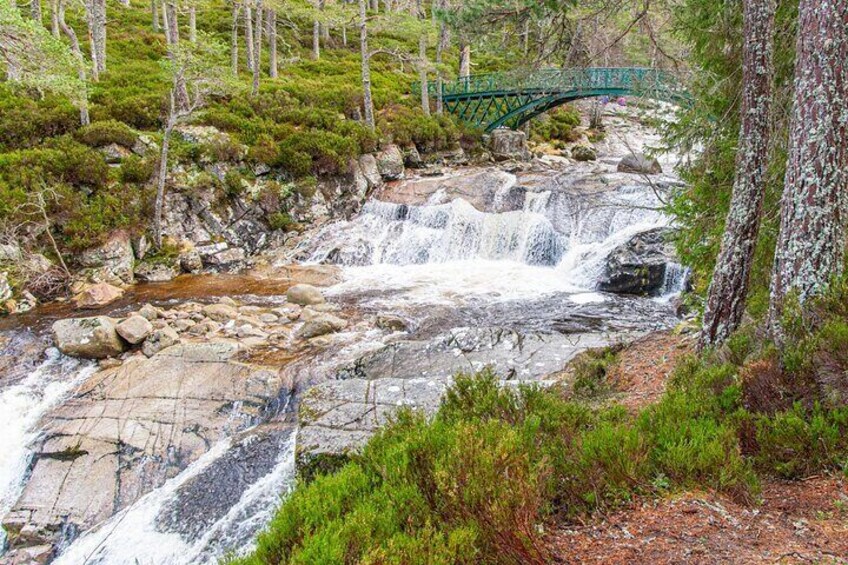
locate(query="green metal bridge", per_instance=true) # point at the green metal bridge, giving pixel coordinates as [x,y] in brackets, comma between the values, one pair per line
[510,99]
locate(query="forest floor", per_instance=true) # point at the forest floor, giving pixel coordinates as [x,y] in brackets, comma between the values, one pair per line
[792,522]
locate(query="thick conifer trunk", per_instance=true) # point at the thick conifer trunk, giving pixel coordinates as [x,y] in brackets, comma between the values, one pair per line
[77,51]
[811,246]
[272,44]
[464,60]
[234,39]
[729,287]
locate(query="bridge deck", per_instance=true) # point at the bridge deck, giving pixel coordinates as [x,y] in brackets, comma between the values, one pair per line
[511,98]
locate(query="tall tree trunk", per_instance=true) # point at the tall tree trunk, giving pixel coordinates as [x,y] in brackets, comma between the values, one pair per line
[173,37]
[91,20]
[75,49]
[464,60]
[165,25]
[99,33]
[811,245]
[422,61]
[54,18]
[367,100]
[248,34]
[234,39]
[259,20]
[344,35]
[192,23]
[35,10]
[154,14]
[316,33]
[272,44]
[729,287]
[375,5]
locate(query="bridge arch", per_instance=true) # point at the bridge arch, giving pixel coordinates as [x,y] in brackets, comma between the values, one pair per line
[510,99]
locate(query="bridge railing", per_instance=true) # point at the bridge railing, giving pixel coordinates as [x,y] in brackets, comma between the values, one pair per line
[634,79]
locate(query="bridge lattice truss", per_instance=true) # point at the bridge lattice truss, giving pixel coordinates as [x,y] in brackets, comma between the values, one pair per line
[490,101]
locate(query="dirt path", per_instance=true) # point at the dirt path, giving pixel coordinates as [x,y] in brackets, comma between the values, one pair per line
[800,522]
[797,522]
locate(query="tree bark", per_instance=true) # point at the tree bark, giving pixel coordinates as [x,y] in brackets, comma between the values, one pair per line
[367,100]
[248,35]
[154,11]
[272,44]
[234,39]
[77,51]
[99,34]
[464,60]
[163,175]
[192,24]
[173,36]
[35,10]
[731,276]
[422,61]
[259,20]
[811,245]
[54,18]
[165,23]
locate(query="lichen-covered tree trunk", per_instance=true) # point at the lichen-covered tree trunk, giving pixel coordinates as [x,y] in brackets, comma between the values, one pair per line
[172,31]
[367,99]
[257,46]
[248,35]
[98,34]
[234,39]
[192,23]
[77,51]
[35,10]
[811,245]
[272,44]
[729,287]
[422,60]
[464,59]
[154,14]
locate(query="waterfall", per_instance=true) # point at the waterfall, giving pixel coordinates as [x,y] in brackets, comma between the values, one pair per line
[22,405]
[569,231]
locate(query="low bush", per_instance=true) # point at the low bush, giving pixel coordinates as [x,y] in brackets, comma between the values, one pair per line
[100,134]
[558,126]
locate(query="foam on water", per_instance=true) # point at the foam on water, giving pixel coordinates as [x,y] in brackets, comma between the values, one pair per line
[22,405]
[131,537]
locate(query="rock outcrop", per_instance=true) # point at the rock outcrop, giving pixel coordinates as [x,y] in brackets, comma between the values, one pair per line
[97,295]
[639,265]
[130,428]
[509,144]
[390,163]
[112,262]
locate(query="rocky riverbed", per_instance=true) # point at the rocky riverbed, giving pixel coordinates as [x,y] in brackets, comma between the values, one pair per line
[163,425]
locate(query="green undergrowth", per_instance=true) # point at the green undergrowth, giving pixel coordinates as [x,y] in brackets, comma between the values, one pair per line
[303,125]
[483,480]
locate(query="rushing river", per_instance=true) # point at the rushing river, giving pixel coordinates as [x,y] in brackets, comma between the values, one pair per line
[472,250]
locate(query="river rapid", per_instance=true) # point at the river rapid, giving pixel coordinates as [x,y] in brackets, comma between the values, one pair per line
[491,266]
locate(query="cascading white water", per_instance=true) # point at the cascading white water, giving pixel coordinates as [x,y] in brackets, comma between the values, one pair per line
[570,234]
[133,536]
[22,405]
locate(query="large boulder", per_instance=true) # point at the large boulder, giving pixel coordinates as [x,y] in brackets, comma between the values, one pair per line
[89,338]
[368,165]
[112,262]
[321,324]
[639,265]
[304,295]
[135,329]
[159,340]
[509,144]
[152,272]
[583,153]
[639,164]
[390,163]
[97,295]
